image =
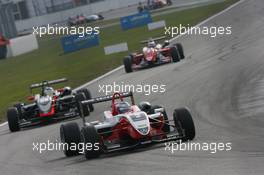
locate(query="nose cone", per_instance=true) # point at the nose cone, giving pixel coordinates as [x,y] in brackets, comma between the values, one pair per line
[140,122]
[150,54]
[143,131]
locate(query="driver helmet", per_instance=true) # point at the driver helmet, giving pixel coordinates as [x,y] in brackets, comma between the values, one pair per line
[123,107]
[48,91]
[151,43]
[167,42]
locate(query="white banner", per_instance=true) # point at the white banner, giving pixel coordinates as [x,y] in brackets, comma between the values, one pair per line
[122,47]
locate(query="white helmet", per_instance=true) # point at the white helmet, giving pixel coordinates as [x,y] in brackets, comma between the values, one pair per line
[48,91]
[151,43]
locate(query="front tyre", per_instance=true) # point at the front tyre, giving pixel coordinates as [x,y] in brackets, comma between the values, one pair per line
[180,50]
[70,135]
[88,96]
[91,140]
[128,64]
[174,54]
[19,108]
[13,119]
[79,97]
[184,123]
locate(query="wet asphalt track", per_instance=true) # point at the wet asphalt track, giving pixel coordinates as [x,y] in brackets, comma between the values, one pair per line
[221,81]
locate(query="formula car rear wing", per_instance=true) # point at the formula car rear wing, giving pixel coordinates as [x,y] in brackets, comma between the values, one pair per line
[47,83]
[153,39]
[109,98]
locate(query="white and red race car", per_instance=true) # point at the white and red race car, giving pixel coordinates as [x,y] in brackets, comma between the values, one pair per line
[126,126]
[154,54]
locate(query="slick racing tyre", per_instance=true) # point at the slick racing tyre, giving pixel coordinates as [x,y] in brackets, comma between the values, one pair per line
[184,123]
[180,50]
[128,64]
[13,119]
[145,106]
[19,108]
[79,97]
[166,126]
[70,135]
[91,140]
[88,96]
[175,55]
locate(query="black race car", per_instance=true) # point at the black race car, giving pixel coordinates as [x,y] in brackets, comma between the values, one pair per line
[49,104]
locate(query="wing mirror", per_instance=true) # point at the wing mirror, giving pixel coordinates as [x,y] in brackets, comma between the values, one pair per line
[31,98]
[159,110]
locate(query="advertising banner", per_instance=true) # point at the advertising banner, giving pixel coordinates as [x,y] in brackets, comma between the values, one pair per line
[136,20]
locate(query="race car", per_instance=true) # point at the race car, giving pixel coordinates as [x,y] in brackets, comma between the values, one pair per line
[125,126]
[157,4]
[82,19]
[154,54]
[77,20]
[49,104]
[93,18]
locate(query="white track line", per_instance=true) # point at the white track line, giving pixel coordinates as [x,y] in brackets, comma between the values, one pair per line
[3,124]
[120,67]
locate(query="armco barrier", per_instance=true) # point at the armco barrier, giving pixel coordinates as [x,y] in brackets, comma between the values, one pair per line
[137,20]
[73,43]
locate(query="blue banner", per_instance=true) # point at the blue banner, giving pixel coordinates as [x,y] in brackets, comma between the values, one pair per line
[73,43]
[136,20]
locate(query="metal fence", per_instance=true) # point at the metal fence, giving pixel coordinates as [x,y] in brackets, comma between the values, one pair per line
[7,22]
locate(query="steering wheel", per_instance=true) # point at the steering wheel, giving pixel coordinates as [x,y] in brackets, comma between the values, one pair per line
[116,95]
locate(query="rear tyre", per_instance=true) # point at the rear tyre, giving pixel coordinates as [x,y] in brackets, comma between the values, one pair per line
[175,55]
[70,134]
[88,96]
[180,50]
[91,138]
[128,64]
[184,123]
[13,119]
[166,126]
[79,97]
